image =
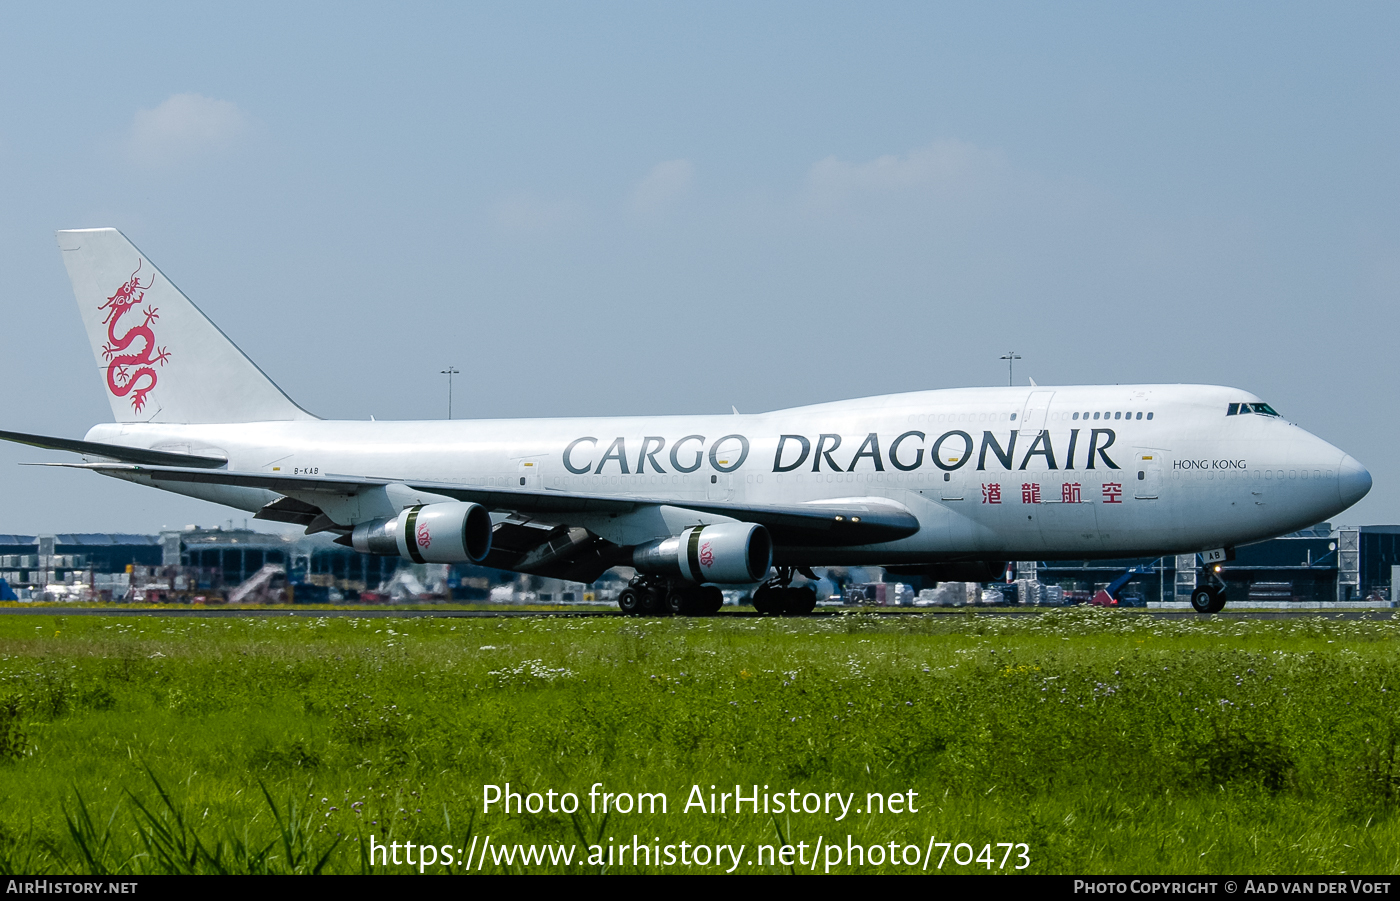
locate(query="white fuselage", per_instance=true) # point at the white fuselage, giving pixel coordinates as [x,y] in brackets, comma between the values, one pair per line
[990,473]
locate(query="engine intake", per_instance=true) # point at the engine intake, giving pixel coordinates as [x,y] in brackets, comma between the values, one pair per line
[455,532]
[734,553]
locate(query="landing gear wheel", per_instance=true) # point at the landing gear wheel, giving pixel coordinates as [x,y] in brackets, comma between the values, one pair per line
[1208,600]
[683,600]
[800,601]
[629,602]
[768,600]
[710,601]
[648,600]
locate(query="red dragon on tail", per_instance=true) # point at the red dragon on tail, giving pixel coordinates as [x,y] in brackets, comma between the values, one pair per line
[130,372]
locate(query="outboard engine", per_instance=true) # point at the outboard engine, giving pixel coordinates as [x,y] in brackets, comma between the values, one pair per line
[456,532]
[733,553]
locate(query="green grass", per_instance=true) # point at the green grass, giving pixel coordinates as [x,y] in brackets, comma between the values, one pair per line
[303,609]
[1107,742]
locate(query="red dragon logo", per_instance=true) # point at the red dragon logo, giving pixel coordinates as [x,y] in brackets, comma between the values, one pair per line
[424,539]
[132,372]
[707,555]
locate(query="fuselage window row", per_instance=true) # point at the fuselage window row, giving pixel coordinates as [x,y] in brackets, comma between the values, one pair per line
[922,418]
[1113,415]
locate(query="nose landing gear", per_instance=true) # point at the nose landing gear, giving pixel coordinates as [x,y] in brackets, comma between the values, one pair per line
[1209,597]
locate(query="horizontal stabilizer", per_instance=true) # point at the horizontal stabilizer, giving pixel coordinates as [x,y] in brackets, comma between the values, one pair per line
[115,451]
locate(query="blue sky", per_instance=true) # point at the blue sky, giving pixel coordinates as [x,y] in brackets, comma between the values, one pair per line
[627,208]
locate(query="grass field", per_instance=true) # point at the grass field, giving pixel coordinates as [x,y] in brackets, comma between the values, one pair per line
[186,608]
[1105,742]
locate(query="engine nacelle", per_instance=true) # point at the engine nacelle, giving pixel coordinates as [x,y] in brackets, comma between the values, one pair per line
[734,553]
[455,532]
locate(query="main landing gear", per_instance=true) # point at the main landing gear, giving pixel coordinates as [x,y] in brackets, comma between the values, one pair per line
[655,596]
[1210,597]
[777,597]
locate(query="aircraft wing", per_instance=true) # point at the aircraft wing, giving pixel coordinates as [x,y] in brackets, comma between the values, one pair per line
[831,523]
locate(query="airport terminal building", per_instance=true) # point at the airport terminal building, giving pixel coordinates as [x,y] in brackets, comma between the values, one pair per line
[1315,566]
[1318,566]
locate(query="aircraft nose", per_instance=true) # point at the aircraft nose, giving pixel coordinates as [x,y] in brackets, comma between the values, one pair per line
[1353,481]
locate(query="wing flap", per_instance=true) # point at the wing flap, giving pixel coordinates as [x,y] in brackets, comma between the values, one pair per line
[552,550]
[289,509]
[841,522]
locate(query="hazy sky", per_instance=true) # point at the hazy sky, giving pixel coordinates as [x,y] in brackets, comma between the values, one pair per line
[628,208]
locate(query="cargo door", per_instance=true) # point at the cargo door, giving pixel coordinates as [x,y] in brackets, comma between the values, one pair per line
[719,487]
[1147,476]
[726,455]
[1069,516]
[1033,415]
[529,473]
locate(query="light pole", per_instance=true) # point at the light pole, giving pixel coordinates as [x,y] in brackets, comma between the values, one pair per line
[1010,357]
[450,372]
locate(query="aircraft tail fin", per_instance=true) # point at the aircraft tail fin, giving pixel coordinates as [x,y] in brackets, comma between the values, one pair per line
[159,357]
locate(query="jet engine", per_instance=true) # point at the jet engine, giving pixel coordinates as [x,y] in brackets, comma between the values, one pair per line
[455,532]
[729,553]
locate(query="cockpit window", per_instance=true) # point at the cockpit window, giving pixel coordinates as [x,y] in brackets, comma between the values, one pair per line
[1238,409]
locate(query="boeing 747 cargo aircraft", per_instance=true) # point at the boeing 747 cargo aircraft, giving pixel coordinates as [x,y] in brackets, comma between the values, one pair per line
[946,483]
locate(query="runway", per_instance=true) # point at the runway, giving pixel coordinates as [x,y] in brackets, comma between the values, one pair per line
[395,613]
